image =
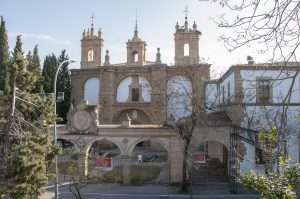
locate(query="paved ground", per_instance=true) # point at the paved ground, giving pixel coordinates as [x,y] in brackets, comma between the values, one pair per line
[143,196]
[111,191]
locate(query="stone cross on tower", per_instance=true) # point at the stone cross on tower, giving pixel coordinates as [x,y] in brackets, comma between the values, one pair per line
[92,19]
[92,23]
[186,11]
[186,43]
[91,47]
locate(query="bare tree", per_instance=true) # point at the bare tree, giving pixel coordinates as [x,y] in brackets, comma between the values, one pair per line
[184,113]
[273,27]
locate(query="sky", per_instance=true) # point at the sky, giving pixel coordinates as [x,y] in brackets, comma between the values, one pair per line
[58,24]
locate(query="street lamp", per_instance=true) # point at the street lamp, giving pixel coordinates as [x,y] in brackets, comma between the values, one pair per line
[55,132]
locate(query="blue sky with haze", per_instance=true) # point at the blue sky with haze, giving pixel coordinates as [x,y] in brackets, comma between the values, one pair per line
[57,24]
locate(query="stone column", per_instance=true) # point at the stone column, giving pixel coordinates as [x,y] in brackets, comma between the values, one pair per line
[176,160]
[126,169]
[83,163]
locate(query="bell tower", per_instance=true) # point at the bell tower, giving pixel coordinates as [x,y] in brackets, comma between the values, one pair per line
[91,47]
[186,43]
[136,49]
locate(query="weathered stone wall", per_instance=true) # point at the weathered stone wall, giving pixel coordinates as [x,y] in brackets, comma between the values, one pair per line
[157,75]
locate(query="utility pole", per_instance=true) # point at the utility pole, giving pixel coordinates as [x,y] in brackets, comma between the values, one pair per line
[55,130]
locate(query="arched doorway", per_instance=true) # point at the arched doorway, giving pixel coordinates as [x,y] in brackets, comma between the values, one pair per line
[210,162]
[103,161]
[67,160]
[150,163]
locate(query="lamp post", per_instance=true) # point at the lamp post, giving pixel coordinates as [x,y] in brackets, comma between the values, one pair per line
[55,132]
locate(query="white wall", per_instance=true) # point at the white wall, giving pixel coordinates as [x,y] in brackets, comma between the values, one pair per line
[211,96]
[281,85]
[224,83]
[214,93]
[265,117]
[248,163]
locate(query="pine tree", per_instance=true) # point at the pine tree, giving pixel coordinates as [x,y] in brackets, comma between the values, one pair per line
[4,58]
[64,85]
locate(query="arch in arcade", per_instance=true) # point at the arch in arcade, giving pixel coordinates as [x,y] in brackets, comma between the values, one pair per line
[151,157]
[101,155]
[210,161]
[68,159]
[149,146]
[66,144]
[91,90]
[179,97]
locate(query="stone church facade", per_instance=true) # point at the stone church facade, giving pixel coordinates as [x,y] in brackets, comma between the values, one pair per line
[127,103]
[148,79]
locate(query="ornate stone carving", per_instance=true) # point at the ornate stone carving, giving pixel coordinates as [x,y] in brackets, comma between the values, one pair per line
[83,119]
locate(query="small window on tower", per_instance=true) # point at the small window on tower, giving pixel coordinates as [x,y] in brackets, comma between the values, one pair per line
[186,50]
[135,57]
[135,93]
[90,55]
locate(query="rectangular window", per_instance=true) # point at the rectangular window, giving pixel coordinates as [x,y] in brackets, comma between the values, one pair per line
[223,94]
[259,156]
[228,92]
[263,90]
[135,94]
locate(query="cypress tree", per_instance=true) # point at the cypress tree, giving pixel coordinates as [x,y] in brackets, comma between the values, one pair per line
[29,156]
[64,85]
[19,74]
[34,67]
[49,68]
[4,58]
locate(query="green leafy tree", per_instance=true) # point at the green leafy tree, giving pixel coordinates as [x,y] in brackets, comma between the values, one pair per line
[4,58]
[283,185]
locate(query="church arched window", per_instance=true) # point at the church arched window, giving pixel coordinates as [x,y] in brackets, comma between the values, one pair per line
[179,97]
[92,91]
[135,56]
[90,55]
[134,89]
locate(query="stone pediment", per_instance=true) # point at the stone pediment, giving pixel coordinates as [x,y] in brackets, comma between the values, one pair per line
[83,118]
